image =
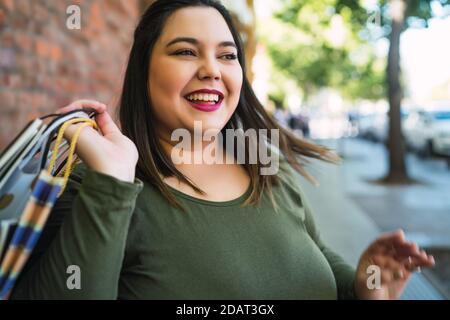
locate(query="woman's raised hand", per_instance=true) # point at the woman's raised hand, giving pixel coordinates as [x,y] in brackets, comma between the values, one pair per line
[108,151]
[396,259]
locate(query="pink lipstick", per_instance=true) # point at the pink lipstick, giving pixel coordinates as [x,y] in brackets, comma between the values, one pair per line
[197,99]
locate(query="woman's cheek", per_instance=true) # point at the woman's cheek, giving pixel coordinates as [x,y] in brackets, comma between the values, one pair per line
[238,83]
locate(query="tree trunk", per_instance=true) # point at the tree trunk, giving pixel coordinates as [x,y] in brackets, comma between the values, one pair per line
[397,166]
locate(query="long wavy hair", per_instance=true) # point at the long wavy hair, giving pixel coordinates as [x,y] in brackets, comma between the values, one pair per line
[137,120]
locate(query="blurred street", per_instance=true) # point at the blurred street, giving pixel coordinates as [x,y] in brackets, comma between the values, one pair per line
[352,210]
[416,208]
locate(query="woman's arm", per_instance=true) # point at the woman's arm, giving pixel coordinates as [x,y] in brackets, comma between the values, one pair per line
[88,229]
[343,272]
[396,258]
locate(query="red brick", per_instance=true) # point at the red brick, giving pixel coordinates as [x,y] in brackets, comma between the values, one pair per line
[19,22]
[7,39]
[2,17]
[4,79]
[132,8]
[40,13]
[8,58]
[24,7]
[13,81]
[8,4]
[42,48]
[8,100]
[56,53]
[24,100]
[24,42]
[38,100]
[96,20]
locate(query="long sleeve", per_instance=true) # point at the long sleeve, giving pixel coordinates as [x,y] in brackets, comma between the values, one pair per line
[343,272]
[88,229]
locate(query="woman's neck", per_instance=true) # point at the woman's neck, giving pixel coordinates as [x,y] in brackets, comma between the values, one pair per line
[217,174]
[198,152]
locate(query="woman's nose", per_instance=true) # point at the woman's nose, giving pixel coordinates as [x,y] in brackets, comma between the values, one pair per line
[209,69]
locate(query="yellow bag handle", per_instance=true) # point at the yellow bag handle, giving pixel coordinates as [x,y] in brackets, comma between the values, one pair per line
[73,143]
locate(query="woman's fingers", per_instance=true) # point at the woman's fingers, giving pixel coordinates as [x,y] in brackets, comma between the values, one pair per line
[407,249]
[106,124]
[411,252]
[390,269]
[103,119]
[390,238]
[395,255]
[414,263]
[83,103]
[385,243]
[393,269]
[395,244]
[107,151]
[87,133]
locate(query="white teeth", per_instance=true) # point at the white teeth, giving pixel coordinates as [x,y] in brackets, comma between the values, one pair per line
[204,97]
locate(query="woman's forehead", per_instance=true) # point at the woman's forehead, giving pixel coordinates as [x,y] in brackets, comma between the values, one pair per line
[205,24]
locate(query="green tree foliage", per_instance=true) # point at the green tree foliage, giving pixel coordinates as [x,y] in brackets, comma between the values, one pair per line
[317,43]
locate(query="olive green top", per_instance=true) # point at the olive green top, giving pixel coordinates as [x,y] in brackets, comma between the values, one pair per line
[129,243]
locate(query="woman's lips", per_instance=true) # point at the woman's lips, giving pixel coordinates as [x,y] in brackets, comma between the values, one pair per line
[204,106]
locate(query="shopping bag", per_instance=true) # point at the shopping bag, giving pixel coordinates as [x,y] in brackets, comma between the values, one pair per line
[38,206]
[16,182]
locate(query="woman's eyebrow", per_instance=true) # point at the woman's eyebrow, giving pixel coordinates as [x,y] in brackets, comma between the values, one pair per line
[196,42]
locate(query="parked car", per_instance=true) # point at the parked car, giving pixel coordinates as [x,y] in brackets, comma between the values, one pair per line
[428,132]
[375,127]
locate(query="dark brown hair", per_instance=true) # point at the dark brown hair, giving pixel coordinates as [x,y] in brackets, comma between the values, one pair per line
[138,122]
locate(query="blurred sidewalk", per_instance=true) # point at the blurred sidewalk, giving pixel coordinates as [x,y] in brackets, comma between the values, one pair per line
[345,205]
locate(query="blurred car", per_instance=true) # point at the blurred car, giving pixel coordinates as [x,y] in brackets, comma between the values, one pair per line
[428,132]
[375,127]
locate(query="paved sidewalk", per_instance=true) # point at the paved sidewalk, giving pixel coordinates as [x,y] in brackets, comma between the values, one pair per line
[344,224]
[422,209]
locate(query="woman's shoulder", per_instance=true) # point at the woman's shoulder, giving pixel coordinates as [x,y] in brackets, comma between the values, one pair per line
[288,175]
[290,184]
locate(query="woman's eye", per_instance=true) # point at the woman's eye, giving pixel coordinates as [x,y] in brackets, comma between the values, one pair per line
[230,56]
[185,52]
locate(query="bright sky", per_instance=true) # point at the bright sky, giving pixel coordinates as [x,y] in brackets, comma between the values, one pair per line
[426,56]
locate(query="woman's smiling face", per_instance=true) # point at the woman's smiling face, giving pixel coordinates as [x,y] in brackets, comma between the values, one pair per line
[193,62]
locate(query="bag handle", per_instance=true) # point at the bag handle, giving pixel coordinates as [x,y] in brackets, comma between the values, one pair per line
[73,143]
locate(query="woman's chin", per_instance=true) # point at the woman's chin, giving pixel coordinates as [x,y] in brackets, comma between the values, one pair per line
[207,122]
[206,127]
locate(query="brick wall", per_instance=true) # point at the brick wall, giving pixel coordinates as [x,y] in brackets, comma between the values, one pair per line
[44,65]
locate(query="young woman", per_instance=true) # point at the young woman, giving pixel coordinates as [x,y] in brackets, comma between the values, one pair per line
[138,225]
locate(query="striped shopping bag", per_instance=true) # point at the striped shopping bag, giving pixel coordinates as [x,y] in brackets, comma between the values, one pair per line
[44,194]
